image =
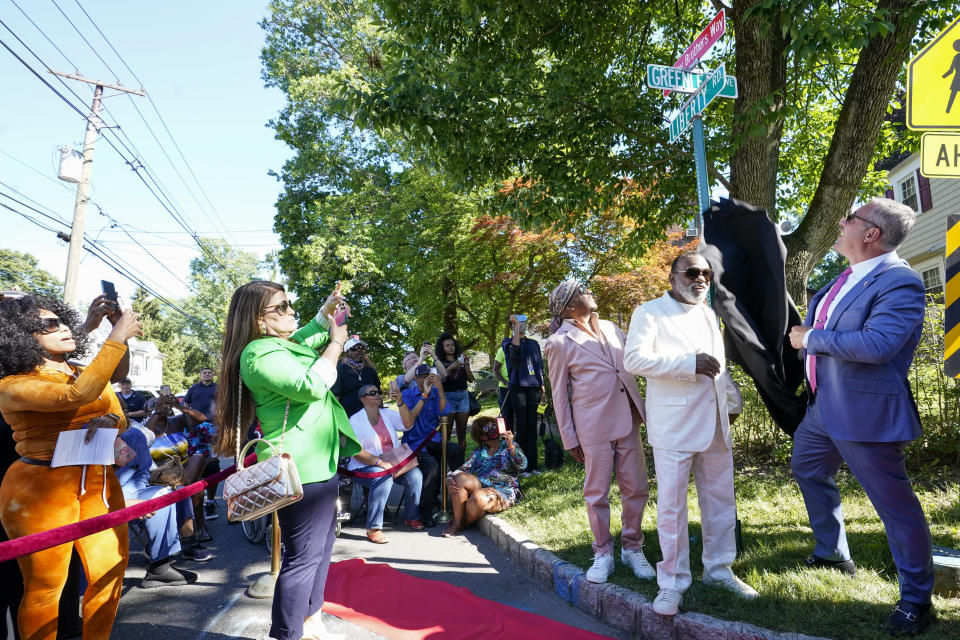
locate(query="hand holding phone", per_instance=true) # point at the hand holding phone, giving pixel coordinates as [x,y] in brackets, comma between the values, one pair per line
[501,425]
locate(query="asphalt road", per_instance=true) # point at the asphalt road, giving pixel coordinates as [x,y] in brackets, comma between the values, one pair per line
[216,607]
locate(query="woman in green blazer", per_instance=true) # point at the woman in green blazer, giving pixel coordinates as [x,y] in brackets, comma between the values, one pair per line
[280,364]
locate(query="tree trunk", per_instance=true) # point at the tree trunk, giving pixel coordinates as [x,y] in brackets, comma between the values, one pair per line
[761,70]
[853,143]
[449,288]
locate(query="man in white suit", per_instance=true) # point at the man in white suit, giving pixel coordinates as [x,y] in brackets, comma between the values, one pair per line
[674,342]
[599,410]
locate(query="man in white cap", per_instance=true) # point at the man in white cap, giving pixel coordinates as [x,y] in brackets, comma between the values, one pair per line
[599,410]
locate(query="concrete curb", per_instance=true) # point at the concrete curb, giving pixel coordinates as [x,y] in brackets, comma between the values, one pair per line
[617,606]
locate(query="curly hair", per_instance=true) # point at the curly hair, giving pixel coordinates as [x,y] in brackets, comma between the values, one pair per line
[478,425]
[20,351]
[438,348]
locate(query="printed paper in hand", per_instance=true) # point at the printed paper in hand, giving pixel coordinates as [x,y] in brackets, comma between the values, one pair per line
[71,450]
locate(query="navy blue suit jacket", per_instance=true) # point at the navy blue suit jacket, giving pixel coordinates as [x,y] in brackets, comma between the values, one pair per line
[863,355]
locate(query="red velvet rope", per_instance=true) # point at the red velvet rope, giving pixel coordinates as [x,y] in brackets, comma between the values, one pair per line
[70,532]
[379,474]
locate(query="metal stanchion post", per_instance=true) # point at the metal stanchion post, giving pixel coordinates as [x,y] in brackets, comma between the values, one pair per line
[443,518]
[264,585]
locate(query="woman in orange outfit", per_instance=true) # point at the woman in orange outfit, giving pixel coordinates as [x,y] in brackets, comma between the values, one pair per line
[41,394]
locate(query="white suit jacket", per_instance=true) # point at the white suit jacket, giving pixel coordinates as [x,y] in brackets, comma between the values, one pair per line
[682,406]
[592,392]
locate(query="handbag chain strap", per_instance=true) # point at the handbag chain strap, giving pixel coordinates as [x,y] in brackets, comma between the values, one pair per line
[283,430]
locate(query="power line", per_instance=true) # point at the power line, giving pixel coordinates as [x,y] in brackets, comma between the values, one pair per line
[119,266]
[176,216]
[165,127]
[84,38]
[37,171]
[23,195]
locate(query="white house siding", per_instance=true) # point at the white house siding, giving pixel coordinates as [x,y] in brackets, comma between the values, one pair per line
[925,244]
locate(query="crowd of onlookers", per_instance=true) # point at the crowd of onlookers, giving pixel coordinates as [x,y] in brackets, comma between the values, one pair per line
[434,388]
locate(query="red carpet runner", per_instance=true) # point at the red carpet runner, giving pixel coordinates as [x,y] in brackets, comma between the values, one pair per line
[403,607]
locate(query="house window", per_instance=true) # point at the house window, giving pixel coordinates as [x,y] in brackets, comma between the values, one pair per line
[932,281]
[908,193]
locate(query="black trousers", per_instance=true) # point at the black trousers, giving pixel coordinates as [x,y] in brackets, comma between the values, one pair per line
[307,530]
[429,460]
[523,402]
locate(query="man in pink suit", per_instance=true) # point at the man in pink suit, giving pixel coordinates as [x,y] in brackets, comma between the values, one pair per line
[599,410]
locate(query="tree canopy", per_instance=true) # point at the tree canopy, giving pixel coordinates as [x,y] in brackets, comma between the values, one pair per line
[550,97]
[22,272]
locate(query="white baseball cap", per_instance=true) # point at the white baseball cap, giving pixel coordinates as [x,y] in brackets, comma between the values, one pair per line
[352,342]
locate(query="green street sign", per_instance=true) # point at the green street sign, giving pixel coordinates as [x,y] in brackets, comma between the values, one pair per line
[695,105]
[660,76]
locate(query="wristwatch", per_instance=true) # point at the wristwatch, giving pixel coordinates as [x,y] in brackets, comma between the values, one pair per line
[114,417]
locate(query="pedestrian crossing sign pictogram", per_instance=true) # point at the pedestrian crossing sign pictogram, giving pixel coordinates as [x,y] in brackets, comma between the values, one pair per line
[933,83]
[951,320]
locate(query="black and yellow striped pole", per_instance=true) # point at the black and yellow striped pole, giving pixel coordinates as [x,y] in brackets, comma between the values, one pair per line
[951,320]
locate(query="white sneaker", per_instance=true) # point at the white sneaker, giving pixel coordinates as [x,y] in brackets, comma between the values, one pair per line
[636,561]
[314,629]
[602,567]
[734,584]
[667,602]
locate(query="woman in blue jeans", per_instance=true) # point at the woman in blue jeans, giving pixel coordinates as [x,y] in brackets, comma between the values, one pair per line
[376,429]
[454,369]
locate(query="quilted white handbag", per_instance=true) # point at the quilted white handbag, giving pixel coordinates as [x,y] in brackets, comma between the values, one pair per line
[266,486]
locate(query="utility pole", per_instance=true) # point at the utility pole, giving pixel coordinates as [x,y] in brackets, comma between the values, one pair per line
[70,292]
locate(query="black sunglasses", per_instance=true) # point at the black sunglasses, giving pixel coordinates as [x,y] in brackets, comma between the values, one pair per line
[50,325]
[371,393]
[281,308]
[692,273]
[851,216]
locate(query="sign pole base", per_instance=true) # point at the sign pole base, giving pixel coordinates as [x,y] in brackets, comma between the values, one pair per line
[264,586]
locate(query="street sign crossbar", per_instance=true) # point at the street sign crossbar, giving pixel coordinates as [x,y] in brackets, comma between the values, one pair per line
[695,105]
[660,76]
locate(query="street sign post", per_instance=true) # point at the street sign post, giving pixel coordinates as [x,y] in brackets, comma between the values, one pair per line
[707,38]
[660,76]
[940,155]
[709,90]
[933,83]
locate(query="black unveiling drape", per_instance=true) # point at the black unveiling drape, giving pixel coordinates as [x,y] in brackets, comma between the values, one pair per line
[744,248]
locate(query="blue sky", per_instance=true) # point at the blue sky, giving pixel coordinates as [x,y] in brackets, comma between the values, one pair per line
[199,62]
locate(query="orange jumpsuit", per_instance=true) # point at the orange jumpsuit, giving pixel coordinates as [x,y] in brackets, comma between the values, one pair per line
[35,498]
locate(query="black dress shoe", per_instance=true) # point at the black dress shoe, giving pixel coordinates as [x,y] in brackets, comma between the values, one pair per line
[429,523]
[846,566]
[907,619]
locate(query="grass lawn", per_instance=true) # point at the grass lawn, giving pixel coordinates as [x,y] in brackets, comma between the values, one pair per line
[776,538]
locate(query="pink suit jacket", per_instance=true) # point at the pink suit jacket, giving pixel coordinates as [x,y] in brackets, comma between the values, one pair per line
[602,394]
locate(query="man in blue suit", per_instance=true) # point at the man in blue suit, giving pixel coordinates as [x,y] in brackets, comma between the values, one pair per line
[859,338]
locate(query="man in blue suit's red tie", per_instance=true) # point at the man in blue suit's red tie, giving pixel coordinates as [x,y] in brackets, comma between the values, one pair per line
[859,338]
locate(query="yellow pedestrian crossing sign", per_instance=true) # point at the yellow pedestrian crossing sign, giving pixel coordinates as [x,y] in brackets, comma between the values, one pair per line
[933,83]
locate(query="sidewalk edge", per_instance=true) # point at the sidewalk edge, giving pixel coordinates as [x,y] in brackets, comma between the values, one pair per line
[617,606]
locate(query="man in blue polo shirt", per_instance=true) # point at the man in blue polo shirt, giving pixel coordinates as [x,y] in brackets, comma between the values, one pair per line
[427,403]
[202,396]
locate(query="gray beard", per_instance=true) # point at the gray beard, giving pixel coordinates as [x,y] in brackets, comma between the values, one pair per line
[687,293]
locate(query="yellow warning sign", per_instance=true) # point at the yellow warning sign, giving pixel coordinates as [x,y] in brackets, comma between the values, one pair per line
[940,155]
[933,83]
